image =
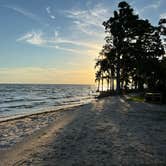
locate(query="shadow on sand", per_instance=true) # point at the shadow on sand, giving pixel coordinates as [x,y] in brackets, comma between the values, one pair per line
[110,131]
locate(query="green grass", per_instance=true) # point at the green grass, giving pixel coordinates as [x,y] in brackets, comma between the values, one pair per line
[136,98]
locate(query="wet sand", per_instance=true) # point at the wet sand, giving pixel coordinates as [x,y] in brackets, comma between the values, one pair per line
[110,131]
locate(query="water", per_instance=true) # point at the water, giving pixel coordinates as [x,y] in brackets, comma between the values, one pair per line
[22,99]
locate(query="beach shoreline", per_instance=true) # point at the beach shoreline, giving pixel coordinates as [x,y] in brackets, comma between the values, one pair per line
[24,125]
[107,131]
[59,108]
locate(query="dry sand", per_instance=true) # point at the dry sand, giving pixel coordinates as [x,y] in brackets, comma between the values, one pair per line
[110,131]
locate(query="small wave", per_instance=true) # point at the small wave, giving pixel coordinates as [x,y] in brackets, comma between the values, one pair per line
[38,103]
[28,105]
[26,98]
[21,106]
[6,110]
[71,101]
[12,100]
[53,97]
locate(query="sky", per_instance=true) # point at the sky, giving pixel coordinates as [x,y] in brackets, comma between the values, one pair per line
[57,41]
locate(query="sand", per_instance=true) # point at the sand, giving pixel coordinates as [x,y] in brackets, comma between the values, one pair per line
[110,131]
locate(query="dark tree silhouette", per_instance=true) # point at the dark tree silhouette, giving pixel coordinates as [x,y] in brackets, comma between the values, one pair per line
[133,54]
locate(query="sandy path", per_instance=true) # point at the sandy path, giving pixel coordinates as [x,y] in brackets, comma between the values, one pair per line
[107,132]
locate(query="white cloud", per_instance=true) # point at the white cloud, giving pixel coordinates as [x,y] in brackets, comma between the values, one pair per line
[94,16]
[163,15]
[24,12]
[33,38]
[48,9]
[154,5]
[52,17]
[59,40]
[78,47]
[76,51]
[89,21]
[84,22]
[56,33]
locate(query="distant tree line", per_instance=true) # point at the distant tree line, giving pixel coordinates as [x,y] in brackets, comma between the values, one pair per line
[133,56]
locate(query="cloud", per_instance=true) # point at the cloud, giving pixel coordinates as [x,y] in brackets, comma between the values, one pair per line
[154,5]
[48,10]
[24,13]
[33,38]
[56,33]
[36,38]
[86,33]
[79,47]
[89,21]
[52,17]
[85,44]
[163,15]
[46,75]
[94,16]
[76,51]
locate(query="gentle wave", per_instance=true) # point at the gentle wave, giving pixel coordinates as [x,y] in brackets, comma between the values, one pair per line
[20,99]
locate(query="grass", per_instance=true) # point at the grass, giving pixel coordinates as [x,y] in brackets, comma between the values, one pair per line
[136,98]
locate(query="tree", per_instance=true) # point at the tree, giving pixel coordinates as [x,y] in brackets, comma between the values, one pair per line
[133,52]
[120,27]
[98,78]
[102,65]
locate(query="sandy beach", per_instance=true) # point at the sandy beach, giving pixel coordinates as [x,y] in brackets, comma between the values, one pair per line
[109,131]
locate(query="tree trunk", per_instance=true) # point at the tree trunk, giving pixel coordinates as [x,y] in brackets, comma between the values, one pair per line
[118,76]
[102,83]
[122,84]
[113,87]
[110,84]
[98,87]
[136,85]
[140,85]
[107,84]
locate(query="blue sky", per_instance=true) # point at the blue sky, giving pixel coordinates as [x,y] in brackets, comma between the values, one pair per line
[56,41]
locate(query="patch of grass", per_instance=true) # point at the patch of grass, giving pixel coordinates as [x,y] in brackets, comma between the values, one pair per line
[136,98]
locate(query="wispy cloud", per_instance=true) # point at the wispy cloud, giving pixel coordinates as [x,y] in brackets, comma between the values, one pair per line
[154,5]
[24,12]
[83,22]
[67,49]
[37,38]
[163,15]
[49,12]
[85,44]
[34,38]
[48,9]
[52,17]
[89,21]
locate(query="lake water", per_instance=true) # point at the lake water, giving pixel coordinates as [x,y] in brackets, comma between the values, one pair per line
[21,99]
